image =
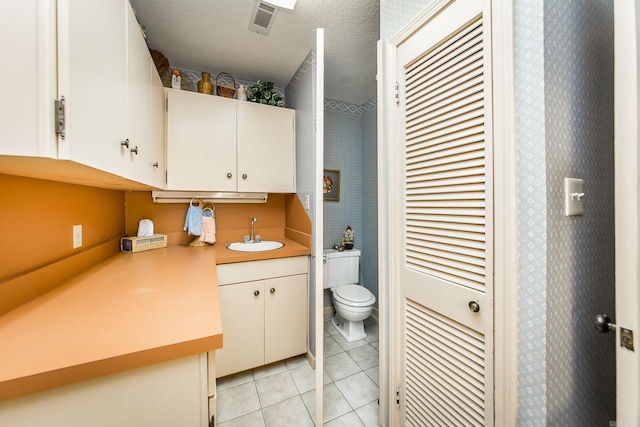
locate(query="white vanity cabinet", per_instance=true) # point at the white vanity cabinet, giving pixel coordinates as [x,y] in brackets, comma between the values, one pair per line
[91,55]
[264,309]
[221,144]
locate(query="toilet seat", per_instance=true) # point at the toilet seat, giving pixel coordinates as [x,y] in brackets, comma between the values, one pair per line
[354,295]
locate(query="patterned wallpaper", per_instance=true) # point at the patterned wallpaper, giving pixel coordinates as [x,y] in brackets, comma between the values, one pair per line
[350,146]
[395,14]
[300,95]
[578,84]
[532,213]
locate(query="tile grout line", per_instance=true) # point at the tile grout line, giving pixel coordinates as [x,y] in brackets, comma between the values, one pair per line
[264,374]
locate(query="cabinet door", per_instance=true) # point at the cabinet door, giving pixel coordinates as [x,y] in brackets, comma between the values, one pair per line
[144,100]
[242,314]
[285,317]
[92,76]
[28,45]
[266,148]
[201,135]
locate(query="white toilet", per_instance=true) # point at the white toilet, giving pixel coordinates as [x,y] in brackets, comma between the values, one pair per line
[353,303]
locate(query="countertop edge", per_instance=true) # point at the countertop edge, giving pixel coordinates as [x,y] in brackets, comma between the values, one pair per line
[21,387]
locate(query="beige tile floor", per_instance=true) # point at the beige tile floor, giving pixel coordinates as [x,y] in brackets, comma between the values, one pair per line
[283,393]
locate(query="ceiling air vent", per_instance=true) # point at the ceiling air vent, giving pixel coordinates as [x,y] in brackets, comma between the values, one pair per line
[262,18]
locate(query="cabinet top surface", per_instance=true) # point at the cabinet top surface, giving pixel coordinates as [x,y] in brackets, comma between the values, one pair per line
[131,310]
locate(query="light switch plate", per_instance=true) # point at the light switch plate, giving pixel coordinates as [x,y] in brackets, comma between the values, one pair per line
[573,196]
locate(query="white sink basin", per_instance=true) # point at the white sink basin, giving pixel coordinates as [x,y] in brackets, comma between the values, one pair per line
[265,245]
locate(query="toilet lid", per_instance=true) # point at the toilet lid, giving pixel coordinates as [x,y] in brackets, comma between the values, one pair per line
[354,295]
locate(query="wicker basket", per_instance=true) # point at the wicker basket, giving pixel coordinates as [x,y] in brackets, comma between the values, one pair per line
[226,91]
[139,244]
[161,62]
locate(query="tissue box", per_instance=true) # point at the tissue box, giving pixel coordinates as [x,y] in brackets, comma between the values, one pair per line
[139,244]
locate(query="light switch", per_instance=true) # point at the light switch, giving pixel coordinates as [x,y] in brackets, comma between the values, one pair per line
[573,197]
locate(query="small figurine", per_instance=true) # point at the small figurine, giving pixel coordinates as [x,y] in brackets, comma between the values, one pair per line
[176,79]
[347,239]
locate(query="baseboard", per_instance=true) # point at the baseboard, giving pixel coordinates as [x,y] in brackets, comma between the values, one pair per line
[312,359]
[328,313]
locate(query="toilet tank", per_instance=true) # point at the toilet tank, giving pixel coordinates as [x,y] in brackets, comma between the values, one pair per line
[340,268]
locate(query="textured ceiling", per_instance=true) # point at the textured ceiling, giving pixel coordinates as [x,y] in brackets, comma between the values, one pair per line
[213,35]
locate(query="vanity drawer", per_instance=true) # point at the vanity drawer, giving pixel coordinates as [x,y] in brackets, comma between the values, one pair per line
[257,270]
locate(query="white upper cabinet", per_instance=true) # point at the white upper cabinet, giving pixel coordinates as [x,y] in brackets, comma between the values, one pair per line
[92,55]
[92,78]
[145,110]
[201,135]
[266,148]
[221,144]
[28,47]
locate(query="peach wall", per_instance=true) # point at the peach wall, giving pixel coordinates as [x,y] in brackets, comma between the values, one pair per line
[232,220]
[36,229]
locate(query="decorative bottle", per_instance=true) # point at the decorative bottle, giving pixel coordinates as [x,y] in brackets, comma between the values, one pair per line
[205,85]
[176,79]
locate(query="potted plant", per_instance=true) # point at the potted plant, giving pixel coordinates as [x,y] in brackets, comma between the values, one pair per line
[262,92]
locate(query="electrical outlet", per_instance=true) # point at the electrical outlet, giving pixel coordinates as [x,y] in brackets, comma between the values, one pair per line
[77,236]
[307,202]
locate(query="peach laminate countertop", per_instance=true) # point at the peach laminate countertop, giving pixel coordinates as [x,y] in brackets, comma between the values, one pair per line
[132,310]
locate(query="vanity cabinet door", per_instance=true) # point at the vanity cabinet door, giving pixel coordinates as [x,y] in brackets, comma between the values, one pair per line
[285,323]
[242,313]
[266,148]
[201,142]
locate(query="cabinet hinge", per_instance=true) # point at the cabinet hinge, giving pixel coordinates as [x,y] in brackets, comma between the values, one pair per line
[59,118]
[397,93]
[398,396]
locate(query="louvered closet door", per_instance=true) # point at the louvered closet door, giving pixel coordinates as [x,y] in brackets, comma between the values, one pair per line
[446,265]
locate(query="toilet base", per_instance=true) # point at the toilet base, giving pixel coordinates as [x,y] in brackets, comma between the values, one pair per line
[350,330]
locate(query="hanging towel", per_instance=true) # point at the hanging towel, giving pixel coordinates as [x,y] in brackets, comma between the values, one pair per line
[193,221]
[208,227]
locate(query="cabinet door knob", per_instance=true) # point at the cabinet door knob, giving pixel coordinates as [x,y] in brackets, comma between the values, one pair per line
[272,290]
[125,143]
[155,165]
[256,293]
[134,150]
[244,176]
[229,175]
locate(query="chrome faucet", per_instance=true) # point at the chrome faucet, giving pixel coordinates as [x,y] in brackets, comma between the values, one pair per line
[253,221]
